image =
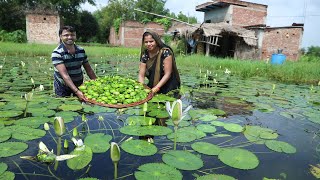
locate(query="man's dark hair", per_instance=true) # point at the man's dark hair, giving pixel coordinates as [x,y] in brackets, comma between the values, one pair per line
[67,28]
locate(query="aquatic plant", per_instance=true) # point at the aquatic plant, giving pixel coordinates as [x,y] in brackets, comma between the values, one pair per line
[28,98]
[59,126]
[115,157]
[176,114]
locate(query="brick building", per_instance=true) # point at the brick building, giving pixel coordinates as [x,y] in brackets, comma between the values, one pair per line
[42,27]
[130,33]
[235,14]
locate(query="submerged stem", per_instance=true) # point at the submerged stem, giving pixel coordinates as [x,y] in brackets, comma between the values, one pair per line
[175,137]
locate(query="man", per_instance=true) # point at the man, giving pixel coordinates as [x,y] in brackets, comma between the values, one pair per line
[68,58]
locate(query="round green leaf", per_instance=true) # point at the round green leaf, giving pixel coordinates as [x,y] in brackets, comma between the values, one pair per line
[8,175]
[208,117]
[33,122]
[182,160]
[157,171]
[139,147]
[12,148]
[217,123]
[3,167]
[280,146]
[145,130]
[233,127]
[5,134]
[206,128]
[140,120]
[70,107]
[10,113]
[81,161]
[239,158]
[99,142]
[24,133]
[183,136]
[206,148]
[68,116]
[215,177]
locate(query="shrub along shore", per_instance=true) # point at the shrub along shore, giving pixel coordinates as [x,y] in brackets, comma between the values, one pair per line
[290,72]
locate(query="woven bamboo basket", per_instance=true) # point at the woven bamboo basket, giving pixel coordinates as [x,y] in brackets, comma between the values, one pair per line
[118,106]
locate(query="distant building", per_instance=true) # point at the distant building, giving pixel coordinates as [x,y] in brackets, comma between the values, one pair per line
[237,29]
[42,27]
[130,33]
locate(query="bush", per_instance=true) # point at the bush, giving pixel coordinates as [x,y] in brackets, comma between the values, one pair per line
[18,36]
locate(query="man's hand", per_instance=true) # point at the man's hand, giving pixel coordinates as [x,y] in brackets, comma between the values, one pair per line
[81,96]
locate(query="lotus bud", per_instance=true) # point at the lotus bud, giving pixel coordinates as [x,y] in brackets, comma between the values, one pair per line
[150,122]
[75,132]
[83,117]
[28,96]
[32,81]
[145,107]
[273,86]
[66,144]
[59,126]
[115,152]
[1,66]
[23,64]
[46,126]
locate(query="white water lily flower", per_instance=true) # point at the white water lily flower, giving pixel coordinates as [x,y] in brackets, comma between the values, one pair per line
[115,152]
[175,111]
[28,96]
[32,81]
[78,142]
[1,66]
[44,149]
[227,71]
[41,87]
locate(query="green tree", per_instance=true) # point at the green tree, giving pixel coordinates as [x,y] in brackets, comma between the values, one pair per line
[154,6]
[12,16]
[184,18]
[88,27]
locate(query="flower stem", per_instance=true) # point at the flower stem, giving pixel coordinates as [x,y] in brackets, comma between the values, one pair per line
[175,137]
[115,170]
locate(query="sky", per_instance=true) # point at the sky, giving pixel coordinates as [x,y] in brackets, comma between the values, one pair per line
[280,13]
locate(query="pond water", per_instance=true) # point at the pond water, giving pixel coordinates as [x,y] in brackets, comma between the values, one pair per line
[285,113]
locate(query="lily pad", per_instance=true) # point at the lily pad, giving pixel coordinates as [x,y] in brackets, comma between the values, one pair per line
[81,161]
[24,133]
[5,134]
[183,160]
[194,131]
[157,171]
[233,127]
[135,111]
[255,133]
[145,130]
[162,98]
[3,167]
[182,123]
[93,109]
[33,122]
[139,147]
[140,120]
[68,116]
[8,175]
[209,117]
[99,142]
[70,107]
[315,170]
[10,113]
[183,136]
[159,113]
[206,128]
[239,158]
[12,148]
[215,177]
[206,148]
[280,146]
[217,123]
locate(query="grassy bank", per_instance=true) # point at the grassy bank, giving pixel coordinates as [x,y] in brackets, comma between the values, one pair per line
[291,72]
[31,50]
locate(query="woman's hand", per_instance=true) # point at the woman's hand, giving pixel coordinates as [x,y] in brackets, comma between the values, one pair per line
[155,89]
[81,96]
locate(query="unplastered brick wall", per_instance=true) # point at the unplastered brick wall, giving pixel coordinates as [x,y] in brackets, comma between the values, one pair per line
[246,16]
[130,33]
[287,39]
[42,28]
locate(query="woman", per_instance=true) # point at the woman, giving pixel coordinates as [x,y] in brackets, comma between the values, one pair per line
[157,63]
